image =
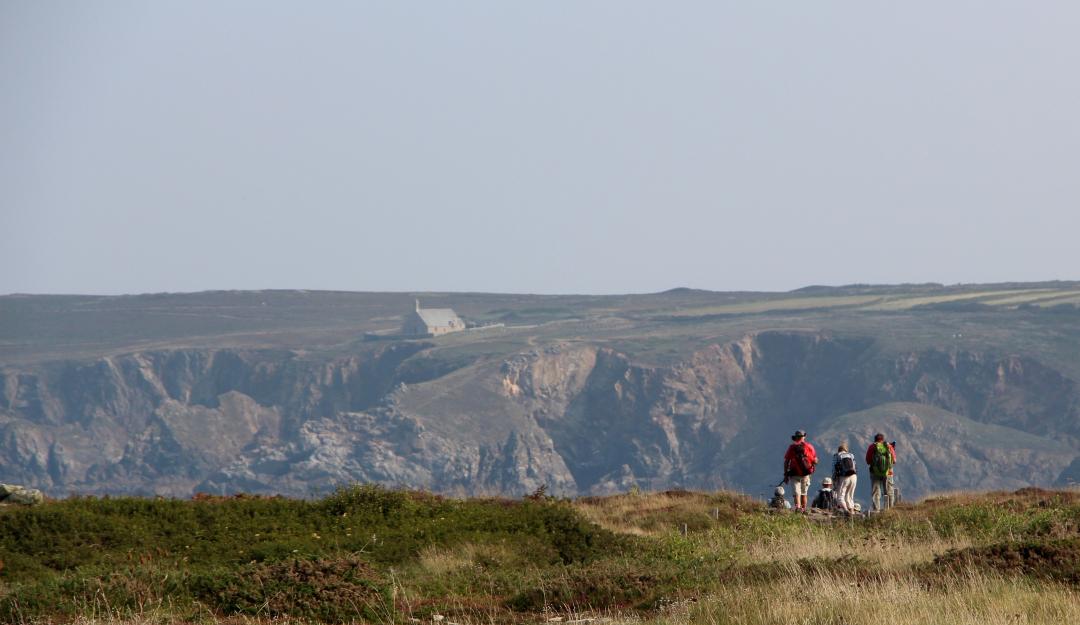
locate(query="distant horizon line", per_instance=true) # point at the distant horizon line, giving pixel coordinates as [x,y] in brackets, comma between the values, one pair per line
[672,290]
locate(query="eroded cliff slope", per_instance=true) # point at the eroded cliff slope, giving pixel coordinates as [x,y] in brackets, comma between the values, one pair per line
[575,415]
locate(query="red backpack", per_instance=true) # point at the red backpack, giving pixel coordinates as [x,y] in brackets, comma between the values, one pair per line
[801,465]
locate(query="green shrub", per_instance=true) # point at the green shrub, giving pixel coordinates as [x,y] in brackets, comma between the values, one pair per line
[330,590]
[92,591]
[240,553]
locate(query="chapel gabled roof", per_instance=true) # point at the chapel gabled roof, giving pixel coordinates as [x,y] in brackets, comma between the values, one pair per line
[440,317]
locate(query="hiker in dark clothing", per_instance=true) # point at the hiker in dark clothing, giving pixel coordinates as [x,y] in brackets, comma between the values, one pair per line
[881,457]
[826,498]
[778,502]
[800,460]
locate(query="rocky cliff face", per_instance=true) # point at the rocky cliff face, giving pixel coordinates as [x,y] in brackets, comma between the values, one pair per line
[941,450]
[578,418]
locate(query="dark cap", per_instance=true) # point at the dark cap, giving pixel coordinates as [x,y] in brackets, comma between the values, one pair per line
[879,436]
[798,434]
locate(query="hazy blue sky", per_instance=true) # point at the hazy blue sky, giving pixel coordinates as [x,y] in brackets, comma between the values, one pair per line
[536,147]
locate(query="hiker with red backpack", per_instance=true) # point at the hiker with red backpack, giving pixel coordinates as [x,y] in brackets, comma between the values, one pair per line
[881,457]
[800,460]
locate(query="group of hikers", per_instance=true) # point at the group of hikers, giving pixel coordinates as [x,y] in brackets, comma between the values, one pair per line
[801,460]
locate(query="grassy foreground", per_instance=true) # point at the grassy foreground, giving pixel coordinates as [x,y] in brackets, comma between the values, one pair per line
[366,554]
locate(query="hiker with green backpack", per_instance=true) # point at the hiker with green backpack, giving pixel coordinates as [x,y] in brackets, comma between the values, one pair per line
[881,457]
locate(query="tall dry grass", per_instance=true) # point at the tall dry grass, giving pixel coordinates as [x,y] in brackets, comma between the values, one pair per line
[834,598]
[446,560]
[650,514]
[793,571]
[887,553]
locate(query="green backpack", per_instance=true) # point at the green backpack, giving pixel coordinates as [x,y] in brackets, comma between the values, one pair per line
[883,461]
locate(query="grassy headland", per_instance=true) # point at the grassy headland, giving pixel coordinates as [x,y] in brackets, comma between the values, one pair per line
[365,554]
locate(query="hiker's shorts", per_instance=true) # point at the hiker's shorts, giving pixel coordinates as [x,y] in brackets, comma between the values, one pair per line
[800,485]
